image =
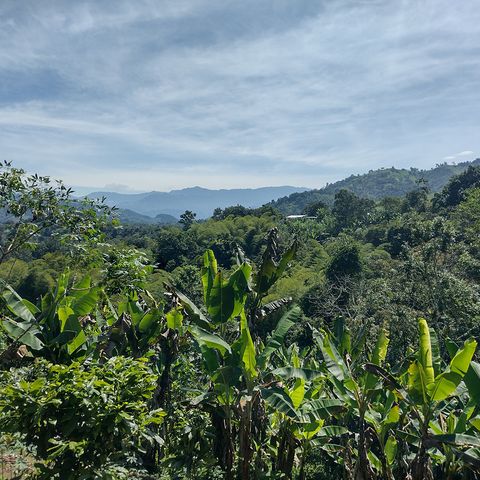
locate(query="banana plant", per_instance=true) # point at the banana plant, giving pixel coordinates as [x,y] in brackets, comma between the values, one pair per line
[56,329]
[131,328]
[456,430]
[236,364]
[427,391]
[428,387]
[361,393]
[300,408]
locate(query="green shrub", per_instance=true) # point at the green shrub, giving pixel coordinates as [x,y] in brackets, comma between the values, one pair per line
[78,418]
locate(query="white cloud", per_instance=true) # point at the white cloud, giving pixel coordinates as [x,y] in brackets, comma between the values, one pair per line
[185,92]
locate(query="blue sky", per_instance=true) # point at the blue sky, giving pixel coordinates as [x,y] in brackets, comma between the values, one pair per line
[167,94]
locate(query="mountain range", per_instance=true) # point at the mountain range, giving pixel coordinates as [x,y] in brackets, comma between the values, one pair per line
[166,207]
[155,205]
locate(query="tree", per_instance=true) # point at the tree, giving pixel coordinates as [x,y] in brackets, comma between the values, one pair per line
[187,219]
[417,198]
[33,205]
[455,190]
[345,260]
[350,210]
[317,209]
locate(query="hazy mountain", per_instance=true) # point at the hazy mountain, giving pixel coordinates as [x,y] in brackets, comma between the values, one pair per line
[127,216]
[374,184]
[200,200]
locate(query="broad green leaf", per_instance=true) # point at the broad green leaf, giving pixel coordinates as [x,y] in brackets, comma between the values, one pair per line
[461,361]
[62,284]
[472,381]
[247,349]
[333,449]
[193,312]
[425,353]
[64,312]
[209,271]
[269,272]
[297,393]
[17,305]
[276,339]
[25,333]
[279,400]
[381,346]
[151,318]
[375,461]
[76,343]
[239,282]
[319,409]
[333,360]
[475,421]
[221,300]
[447,382]
[174,318]
[393,416]
[84,284]
[358,343]
[309,430]
[208,339]
[378,356]
[134,310]
[72,324]
[472,377]
[342,336]
[210,357]
[391,450]
[226,381]
[456,439]
[333,431]
[265,277]
[63,338]
[300,373]
[85,304]
[286,259]
[416,383]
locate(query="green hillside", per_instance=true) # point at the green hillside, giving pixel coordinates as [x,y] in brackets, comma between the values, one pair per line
[375,184]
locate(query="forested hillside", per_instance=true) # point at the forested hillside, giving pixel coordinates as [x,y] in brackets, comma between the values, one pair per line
[385,182]
[245,346]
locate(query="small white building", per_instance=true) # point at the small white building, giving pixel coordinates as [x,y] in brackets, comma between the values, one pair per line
[295,217]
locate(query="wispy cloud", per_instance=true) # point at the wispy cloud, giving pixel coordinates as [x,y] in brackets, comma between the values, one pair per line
[464,153]
[175,93]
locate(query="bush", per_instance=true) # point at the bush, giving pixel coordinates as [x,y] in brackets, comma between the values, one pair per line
[78,418]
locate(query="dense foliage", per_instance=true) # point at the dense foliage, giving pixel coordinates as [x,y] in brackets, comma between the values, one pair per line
[250,345]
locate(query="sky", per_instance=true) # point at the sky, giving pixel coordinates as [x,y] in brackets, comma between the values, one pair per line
[156,95]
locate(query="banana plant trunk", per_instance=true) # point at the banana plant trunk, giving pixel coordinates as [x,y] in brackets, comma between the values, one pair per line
[245,450]
[421,469]
[303,459]
[363,470]
[285,451]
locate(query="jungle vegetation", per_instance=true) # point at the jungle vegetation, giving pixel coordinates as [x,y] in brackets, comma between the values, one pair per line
[245,346]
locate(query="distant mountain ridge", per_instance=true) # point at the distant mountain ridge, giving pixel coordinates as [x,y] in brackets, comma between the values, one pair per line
[127,216]
[200,200]
[374,184]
